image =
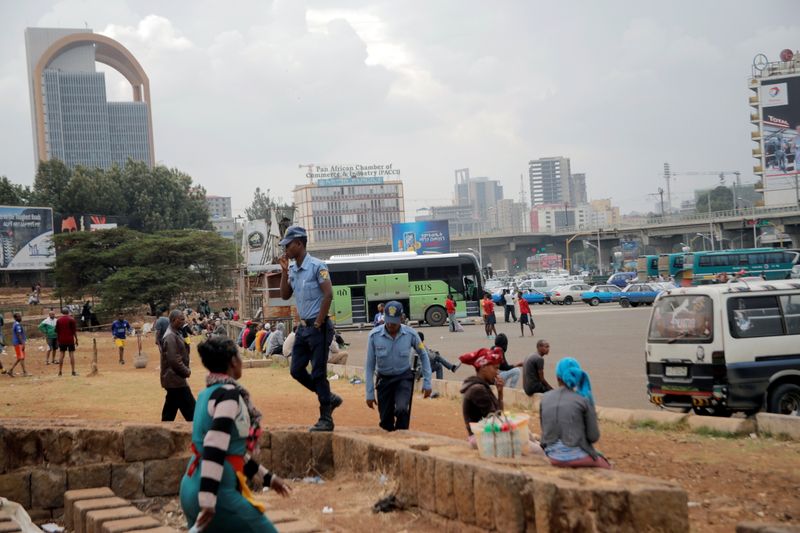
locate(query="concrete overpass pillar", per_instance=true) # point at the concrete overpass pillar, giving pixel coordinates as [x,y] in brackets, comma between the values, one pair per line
[793,231]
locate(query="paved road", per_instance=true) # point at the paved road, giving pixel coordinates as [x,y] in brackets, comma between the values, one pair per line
[607,340]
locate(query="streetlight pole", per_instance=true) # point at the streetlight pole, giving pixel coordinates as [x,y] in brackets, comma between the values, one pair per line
[599,257]
[710,221]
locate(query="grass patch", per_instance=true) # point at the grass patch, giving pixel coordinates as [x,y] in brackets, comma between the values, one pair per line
[659,426]
[715,433]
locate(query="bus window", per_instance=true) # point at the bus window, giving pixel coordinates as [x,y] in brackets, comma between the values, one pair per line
[756,259]
[344,277]
[704,261]
[682,319]
[775,257]
[791,313]
[754,316]
[416,274]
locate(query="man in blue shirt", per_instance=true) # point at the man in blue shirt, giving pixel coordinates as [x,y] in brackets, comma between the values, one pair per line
[119,330]
[307,278]
[18,339]
[389,358]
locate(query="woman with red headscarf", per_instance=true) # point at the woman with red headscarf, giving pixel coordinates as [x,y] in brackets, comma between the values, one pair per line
[478,399]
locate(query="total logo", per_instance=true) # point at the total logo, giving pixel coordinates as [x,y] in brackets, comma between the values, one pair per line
[774,91]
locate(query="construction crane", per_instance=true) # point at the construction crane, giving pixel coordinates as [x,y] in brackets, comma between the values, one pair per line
[669,175]
[660,193]
[310,167]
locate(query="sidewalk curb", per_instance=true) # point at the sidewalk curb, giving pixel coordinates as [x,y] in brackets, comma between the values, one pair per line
[763,424]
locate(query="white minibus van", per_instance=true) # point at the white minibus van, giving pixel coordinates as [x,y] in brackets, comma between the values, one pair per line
[719,349]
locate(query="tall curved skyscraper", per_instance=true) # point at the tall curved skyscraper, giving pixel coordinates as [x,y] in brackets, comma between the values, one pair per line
[72,119]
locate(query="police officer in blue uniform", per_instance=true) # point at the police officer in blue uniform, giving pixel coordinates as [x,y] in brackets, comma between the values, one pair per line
[308,279]
[389,359]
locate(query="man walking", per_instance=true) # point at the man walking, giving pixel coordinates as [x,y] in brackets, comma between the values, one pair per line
[120,329]
[48,329]
[67,336]
[160,327]
[508,297]
[533,380]
[450,307]
[388,349]
[175,370]
[489,319]
[525,317]
[18,339]
[308,279]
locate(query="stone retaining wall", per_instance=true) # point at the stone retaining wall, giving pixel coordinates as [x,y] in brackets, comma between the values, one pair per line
[40,460]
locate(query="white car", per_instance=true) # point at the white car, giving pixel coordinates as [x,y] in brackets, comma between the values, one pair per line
[566,294]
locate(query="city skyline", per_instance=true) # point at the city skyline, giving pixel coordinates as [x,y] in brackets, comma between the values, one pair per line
[618,99]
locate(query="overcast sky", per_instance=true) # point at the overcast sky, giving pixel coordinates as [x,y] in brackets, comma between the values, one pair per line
[243,92]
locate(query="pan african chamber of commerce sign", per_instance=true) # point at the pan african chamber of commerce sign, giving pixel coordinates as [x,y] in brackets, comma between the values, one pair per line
[26,238]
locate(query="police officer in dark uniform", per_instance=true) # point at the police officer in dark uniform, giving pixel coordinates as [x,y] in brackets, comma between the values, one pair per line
[388,357]
[308,279]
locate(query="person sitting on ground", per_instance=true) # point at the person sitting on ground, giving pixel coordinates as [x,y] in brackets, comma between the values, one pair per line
[337,355]
[288,344]
[220,329]
[260,343]
[478,400]
[378,319]
[214,491]
[437,361]
[533,380]
[569,421]
[275,340]
[511,374]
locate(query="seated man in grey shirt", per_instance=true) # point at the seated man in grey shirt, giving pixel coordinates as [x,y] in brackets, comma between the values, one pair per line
[533,379]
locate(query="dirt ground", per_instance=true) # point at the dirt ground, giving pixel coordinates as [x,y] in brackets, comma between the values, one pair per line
[728,480]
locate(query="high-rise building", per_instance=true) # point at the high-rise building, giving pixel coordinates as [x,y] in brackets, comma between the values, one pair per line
[349,209]
[460,218]
[479,193]
[72,119]
[577,189]
[549,181]
[219,206]
[508,215]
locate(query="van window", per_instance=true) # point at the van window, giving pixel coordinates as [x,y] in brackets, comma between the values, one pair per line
[682,318]
[791,313]
[754,316]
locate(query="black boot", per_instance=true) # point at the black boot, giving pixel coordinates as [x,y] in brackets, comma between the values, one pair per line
[325,422]
[336,401]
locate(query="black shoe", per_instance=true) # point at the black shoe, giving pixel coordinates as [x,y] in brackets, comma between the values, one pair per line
[336,401]
[325,422]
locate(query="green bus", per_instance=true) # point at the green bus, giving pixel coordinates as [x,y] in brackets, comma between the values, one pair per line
[647,267]
[670,265]
[769,263]
[420,282]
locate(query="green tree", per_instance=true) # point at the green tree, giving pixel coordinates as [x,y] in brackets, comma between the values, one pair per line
[721,200]
[13,193]
[263,205]
[50,184]
[126,268]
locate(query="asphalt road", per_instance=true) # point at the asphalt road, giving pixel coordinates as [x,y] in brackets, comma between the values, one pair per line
[607,340]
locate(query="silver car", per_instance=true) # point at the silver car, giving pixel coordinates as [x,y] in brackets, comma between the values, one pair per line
[566,294]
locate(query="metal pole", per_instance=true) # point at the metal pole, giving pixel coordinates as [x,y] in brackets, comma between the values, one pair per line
[480,251]
[599,257]
[710,221]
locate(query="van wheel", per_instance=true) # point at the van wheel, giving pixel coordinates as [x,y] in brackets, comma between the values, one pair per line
[634,304]
[594,301]
[568,300]
[625,303]
[722,412]
[785,399]
[435,316]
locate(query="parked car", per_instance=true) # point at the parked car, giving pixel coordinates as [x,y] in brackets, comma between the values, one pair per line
[532,296]
[639,293]
[566,294]
[622,279]
[601,294]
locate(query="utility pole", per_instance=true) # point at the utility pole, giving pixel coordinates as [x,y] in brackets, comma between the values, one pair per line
[710,221]
[599,257]
[668,178]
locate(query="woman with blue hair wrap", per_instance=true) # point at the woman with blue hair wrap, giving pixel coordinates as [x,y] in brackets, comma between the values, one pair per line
[569,421]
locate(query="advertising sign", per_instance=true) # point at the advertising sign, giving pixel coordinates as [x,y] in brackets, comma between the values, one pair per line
[780,122]
[26,238]
[70,223]
[421,237]
[255,244]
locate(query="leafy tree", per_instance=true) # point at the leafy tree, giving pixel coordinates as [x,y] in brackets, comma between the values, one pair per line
[263,205]
[13,193]
[721,200]
[126,268]
[50,184]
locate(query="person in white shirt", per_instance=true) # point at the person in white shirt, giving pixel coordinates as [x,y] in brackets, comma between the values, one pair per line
[288,344]
[508,296]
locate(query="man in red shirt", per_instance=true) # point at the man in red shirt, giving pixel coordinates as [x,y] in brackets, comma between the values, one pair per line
[489,320]
[524,315]
[67,337]
[450,307]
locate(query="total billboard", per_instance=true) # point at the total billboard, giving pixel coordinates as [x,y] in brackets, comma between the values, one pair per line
[26,238]
[421,237]
[780,122]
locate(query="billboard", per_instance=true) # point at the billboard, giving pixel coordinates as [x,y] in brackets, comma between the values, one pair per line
[71,223]
[26,238]
[421,237]
[780,122]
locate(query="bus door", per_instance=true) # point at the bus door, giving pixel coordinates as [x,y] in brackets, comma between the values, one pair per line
[342,305]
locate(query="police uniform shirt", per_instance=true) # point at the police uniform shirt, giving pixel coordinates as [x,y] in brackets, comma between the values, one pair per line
[305,281]
[389,356]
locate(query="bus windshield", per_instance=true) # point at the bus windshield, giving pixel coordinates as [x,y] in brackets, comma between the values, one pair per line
[682,318]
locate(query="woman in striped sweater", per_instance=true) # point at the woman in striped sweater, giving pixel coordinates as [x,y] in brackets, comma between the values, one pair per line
[214,493]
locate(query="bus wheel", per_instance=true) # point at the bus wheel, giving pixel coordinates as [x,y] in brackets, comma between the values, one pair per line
[625,302]
[785,399]
[594,301]
[435,316]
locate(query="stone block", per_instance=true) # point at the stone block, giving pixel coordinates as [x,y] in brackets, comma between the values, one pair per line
[71,497]
[445,495]
[162,477]
[96,519]
[145,442]
[16,486]
[463,492]
[322,453]
[406,478]
[454,389]
[96,446]
[4,453]
[483,494]
[81,508]
[779,425]
[57,445]
[89,476]
[9,527]
[181,437]
[48,487]
[662,504]
[536,402]
[661,417]
[130,524]
[23,448]
[426,482]
[291,453]
[614,414]
[507,486]
[127,480]
[761,527]
[735,426]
